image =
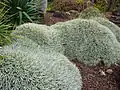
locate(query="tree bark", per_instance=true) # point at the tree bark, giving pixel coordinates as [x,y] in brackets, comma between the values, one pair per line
[44,5]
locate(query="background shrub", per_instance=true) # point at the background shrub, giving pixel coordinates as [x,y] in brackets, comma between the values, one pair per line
[89,41]
[90,12]
[28,66]
[101,5]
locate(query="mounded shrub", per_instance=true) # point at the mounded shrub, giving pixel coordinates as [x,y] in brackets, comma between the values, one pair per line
[27,67]
[90,12]
[43,35]
[89,41]
[95,14]
[114,28]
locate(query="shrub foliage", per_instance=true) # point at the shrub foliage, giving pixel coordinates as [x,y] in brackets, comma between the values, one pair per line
[43,35]
[89,41]
[30,67]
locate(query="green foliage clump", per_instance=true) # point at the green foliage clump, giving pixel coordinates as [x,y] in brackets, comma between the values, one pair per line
[89,41]
[90,12]
[41,34]
[80,1]
[101,5]
[50,6]
[29,67]
[5,37]
[21,11]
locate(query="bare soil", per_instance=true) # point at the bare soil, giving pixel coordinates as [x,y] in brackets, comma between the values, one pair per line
[93,80]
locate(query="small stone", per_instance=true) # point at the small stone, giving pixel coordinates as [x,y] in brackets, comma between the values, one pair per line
[102,73]
[0,47]
[58,14]
[67,13]
[73,11]
[109,71]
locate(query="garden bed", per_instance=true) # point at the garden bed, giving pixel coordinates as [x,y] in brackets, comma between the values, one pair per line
[94,80]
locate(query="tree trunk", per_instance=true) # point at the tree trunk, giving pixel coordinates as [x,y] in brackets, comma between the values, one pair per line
[44,5]
[41,5]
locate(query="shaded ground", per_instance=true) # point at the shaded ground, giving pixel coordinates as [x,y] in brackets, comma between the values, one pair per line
[93,80]
[53,17]
[113,17]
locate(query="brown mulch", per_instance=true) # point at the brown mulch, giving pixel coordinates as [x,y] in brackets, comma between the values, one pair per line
[52,17]
[93,80]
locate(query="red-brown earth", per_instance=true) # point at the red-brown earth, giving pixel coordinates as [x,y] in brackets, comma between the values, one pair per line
[93,77]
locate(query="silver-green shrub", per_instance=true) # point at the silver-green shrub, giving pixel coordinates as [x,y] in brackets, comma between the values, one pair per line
[90,12]
[27,66]
[89,41]
[43,35]
[95,14]
[114,28]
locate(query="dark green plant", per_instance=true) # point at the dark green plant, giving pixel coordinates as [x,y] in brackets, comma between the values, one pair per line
[5,36]
[22,11]
[112,5]
[106,5]
[1,59]
[101,5]
[50,6]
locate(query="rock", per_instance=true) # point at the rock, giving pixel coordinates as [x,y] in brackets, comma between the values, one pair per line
[102,73]
[73,11]
[58,14]
[109,71]
[0,47]
[67,13]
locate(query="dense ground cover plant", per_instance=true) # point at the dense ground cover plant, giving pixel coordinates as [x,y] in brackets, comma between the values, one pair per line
[95,14]
[41,34]
[89,41]
[28,66]
[114,28]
